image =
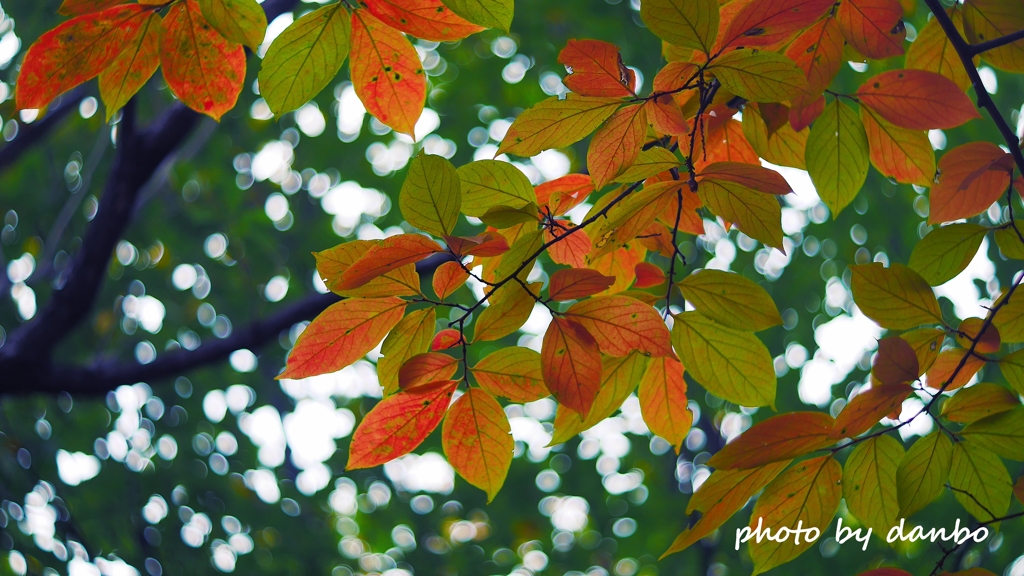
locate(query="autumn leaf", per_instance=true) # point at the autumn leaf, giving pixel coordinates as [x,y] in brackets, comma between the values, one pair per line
[917,99]
[571,364]
[648,275]
[946,251]
[510,307]
[1012,367]
[619,376]
[896,362]
[332,263]
[426,368]
[490,183]
[398,424]
[621,324]
[431,196]
[782,144]
[980,481]
[781,437]
[769,22]
[487,13]
[933,51]
[445,339]
[944,372]
[564,193]
[759,76]
[818,51]
[1010,320]
[520,256]
[873,27]
[731,300]
[556,123]
[837,156]
[725,143]
[804,111]
[513,372]
[79,7]
[923,472]
[904,155]
[685,23]
[477,440]
[577,283]
[426,19]
[616,144]
[970,331]
[134,66]
[971,177]
[869,482]
[448,278]
[387,73]
[981,400]
[1002,433]
[392,253]
[926,343]
[757,215]
[663,402]
[596,69]
[896,297]
[755,177]
[343,333]
[203,69]
[241,21]
[411,336]
[868,408]
[990,19]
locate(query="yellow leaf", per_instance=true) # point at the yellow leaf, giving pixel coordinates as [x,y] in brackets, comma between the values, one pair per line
[490,183]
[759,76]
[757,214]
[555,123]
[619,376]
[923,472]
[1002,433]
[477,440]
[731,300]
[411,336]
[895,297]
[979,401]
[869,483]
[510,307]
[980,481]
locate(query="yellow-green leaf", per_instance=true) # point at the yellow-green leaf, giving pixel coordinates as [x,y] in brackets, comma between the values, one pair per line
[946,251]
[1010,320]
[619,377]
[896,297]
[979,401]
[490,183]
[1002,433]
[489,13]
[555,123]
[869,483]
[685,23]
[411,336]
[1009,243]
[648,163]
[980,481]
[1012,367]
[431,195]
[241,21]
[134,66]
[731,300]
[510,307]
[923,472]
[757,214]
[758,75]
[513,373]
[837,156]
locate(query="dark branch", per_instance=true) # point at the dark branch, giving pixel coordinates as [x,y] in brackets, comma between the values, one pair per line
[997,42]
[30,134]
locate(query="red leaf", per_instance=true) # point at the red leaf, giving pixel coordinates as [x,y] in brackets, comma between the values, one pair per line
[778,438]
[917,99]
[767,22]
[873,27]
[398,424]
[752,176]
[576,283]
[75,52]
[804,111]
[391,253]
[477,440]
[386,72]
[205,71]
[448,278]
[570,362]
[896,362]
[573,250]
[426,19]
[485,245]
[867,408]
[970,178]
[573,189]
[616,145]
[621,324]
[595,69]
[342,334]
[446,339]
[818,51]
[425,368]
[648,275]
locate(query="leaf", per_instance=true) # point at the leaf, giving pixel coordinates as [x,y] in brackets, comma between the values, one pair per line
[1001,433]
[577,283]
[477,440]
[731,300]
[873,28]
[664,114]
[896,297]
[990,19]
[79,7]
[398,424]
[941,373]
[782,145]
[343,333]
[923,472]
[445,339]
[804,111]
[1010,321]
[663,402]
[946,251]
[596,69]
[619,376]
[555,123]
[981,400]
[426,19]
[810,493]
[521,253]
[305,58]
[411,336]
[818,51]
[74,52]
[621,324]
[933,51]
[133,67]
[648,275]
[917,99]
[1009,243]
[869,482]
[868,408]
[511,305]
[426,368]
[723,494]
[1012,367]
[685,23]
[205,71]
[981,474]
[837,156]
[769,22]
[570,362]
[647,164]
[731,364]
[431,196]
[448,278]
[968,331]
[926,343]
[898,153]
[241,21]
[725,143]
[756,178]
[487,13]
[781,437]
[563,194]
[757,215]
[896,362]
[620,264]
[332,264]
[631,217]
[616,145]
[503,217]
[489,183]
[970,178]
[759,76]
[513,373]
[1018,489]
[387,73]
[392,253]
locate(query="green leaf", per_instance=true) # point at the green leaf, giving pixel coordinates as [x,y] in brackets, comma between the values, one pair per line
[521,251]
[1010,320]
[758,75]
[507,217]
[512,372]
[896,297]
[1009,243]
[555,123]
[241,21]
[431,197]
[1002,433]
[869,482]
[489,13]
[510,307]
[837,156]
[946,251]
[757,214]
[1012,367]
[490,183]
[648,163]
[979,401]
[731,300]
[305,58]
[684,23]
[411,336]
[923,472]
[980,481]
[731,364]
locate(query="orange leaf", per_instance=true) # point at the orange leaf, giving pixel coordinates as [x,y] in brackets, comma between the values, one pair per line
[398,424]
[778,438]
[768,22]
[752,176]
[333,262]
[205,71]
[133,67]
[576,283]
[969,330]
[393,252]
[75,52]
[622,324]
[648,275]
[485,245]
[867,408]
[725,143]
[616,145]
[386,72]
[945,365]
[899,153]
[818,51]
[573,250]
[595,69]
[426,368]
[663,401]
[917,99]
[873,27]
[477,440]
[896,362]
[562,194]
[342,334]
[620,264]
[446,339]
[513,373]
[570,362]
[970,178]
[933,51]
[448,278]
[426,19]
[690,221]
[1018,489]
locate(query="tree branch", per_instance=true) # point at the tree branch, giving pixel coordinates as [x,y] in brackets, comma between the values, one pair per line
[997,42]
[30,134]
